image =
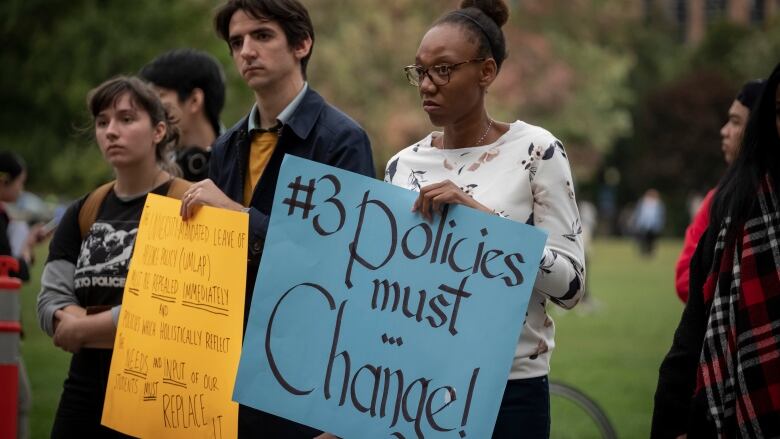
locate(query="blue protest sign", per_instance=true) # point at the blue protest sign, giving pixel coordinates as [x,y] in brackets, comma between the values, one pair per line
[369,322]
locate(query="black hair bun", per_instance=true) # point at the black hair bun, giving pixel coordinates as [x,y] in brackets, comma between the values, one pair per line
[497,10]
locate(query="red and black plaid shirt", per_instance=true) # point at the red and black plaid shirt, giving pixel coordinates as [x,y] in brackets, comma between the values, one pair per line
[739,368]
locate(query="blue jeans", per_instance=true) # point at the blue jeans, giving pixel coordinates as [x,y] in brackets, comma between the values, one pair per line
[525,410]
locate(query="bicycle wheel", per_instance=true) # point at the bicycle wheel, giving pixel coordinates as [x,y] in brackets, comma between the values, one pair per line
[575,415]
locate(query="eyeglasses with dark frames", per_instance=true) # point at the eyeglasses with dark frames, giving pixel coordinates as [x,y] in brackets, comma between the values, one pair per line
[439,74]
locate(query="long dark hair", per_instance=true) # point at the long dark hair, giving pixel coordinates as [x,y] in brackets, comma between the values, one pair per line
[108,93]
[758,156]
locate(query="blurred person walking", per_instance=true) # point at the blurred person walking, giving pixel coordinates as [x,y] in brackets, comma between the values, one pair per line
[191,86]
[515,170]
[731,139]
[588,223]
[720,377]
[648,221]
[84,277]
[13,174]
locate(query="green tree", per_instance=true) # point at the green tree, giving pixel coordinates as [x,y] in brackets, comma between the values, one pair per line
[576,68]
[55,51]
[676,145]
[568,71]
[560,73]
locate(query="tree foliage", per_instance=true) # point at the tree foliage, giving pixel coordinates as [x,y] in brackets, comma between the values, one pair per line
[676,145]
[683,94]
[559,74]
[587,38]
[594,72]
[55,51]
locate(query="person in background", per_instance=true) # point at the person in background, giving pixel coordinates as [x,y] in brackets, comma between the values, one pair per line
[134,135]
[191,85]
[588,222]
[271,43]
[13,174]
[720,377]
[516,170]
[648,221]
[731,139]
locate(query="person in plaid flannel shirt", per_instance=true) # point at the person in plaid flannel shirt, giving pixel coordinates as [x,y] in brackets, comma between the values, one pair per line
[721,377]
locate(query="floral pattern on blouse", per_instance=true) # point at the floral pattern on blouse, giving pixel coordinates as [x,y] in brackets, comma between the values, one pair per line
[523,176]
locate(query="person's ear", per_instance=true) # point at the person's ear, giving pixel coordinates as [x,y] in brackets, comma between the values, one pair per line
[303,48]
[196,100]
[159,132]
[488,72]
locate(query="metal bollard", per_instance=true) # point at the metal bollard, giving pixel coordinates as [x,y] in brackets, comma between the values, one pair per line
[10,329]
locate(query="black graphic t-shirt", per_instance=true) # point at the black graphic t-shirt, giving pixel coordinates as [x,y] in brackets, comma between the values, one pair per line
[101,262]
[102,259]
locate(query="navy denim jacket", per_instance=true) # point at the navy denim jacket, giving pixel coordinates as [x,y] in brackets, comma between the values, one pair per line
[316,131]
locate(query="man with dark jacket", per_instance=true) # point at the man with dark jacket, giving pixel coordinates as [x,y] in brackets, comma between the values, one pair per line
[271,43]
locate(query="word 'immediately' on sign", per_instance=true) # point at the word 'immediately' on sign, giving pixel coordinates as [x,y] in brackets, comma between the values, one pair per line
[178,340]
[368,322]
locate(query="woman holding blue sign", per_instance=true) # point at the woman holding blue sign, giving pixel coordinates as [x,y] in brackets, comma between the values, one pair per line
[515,170]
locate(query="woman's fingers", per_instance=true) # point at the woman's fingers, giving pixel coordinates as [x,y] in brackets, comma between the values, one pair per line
[417,203]
[433,196]
[184,201]
[205,193]
[440,200]
[425,209]
[189,201]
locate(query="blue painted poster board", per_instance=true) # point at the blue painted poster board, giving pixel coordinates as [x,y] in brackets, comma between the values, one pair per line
[368,322]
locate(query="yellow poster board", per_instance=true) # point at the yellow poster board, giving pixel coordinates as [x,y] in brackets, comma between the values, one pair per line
[178,339]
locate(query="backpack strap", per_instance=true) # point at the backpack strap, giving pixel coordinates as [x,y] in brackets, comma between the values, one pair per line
[89,209]
[177,187]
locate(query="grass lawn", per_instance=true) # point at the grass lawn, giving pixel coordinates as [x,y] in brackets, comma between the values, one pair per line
[47,365]
[611,349]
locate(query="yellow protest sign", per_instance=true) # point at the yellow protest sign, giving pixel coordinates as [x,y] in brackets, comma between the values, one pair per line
[178,340]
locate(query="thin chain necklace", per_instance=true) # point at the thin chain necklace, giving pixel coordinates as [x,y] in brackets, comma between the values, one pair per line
[479,141]
[481,138]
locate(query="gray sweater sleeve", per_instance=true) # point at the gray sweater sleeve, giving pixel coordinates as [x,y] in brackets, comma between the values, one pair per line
[57,292]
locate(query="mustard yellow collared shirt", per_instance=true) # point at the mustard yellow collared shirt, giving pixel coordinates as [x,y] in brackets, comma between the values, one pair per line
[264,142]
[263,145]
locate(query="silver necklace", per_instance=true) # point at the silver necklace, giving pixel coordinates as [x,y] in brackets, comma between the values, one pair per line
[479,141]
